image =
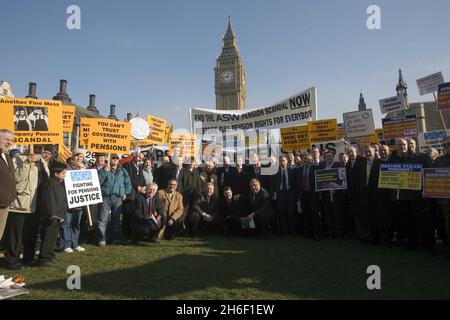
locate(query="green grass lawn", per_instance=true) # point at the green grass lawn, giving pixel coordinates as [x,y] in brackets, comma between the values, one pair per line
[242,268]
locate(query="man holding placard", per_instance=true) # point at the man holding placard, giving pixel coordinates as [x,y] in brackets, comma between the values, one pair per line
[414,220]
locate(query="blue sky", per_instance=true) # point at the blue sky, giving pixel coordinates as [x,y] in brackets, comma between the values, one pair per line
[157,57]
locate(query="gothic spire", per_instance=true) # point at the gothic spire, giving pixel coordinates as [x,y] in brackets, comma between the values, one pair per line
[401,86]
[362,104]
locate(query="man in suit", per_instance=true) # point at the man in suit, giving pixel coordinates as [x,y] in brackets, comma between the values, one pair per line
[172,203]
[149,216]
[205,214]
[136,174]
[309,198]
[224,174]
[7,177]
[254,171]
[366,183]
[190,186]
[260,208]
[164,173]
[327,217]
[353,193]
[209,176]
[230,210]
[239,179]
[381,209]
[283,190]
[414,220]
[340,206]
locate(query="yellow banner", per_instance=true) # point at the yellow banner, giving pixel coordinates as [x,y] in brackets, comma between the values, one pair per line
[168,134]
[64,153]
[158,128]
[33,121]
[400,176]
[183,144]
[106,135]
[85,125]
[295,138]
[68,116]
[323,131]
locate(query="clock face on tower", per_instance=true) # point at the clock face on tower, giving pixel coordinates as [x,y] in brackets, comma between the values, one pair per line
[227,76]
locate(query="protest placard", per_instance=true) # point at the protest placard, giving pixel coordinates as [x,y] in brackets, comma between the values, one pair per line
[82,188]
[359,124]
[400,176]
[182,145]
[323,130]
[432,139]
[107,135]
[85,126]
[430,83]
[443,100]
[400,127]
[436,183]
[68,116]
[158,128]
[295,138]
[331,179]
[392,104]
[33,121]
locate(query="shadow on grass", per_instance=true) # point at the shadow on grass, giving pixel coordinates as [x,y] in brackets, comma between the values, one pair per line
[258,269]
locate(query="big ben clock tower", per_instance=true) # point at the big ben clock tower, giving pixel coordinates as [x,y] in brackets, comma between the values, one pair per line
[230,75]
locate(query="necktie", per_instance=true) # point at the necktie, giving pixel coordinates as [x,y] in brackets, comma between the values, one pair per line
[283,180]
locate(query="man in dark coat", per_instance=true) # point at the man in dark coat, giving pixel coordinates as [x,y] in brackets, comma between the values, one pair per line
[327,198]
[7,177]
[231,209]
[310,199]
[260,208]
[381,207]
[54,207]
[283,190]
[414,219]
[149,216]
[164,173]
[190,186]
[239,179]
[353,193]
[365,192]
[136,173]
[205,214]
[224,174]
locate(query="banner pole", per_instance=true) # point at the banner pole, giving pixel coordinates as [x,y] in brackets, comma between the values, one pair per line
[440,112]
[89,216]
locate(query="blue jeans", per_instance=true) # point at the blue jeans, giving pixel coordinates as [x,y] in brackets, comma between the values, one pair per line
[70,230]
[113,205]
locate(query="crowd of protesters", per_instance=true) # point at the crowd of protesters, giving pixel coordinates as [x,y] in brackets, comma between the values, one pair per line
[143,202]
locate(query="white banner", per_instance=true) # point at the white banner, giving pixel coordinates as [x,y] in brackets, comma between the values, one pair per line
[293,111]
[337,147]
[395,103]
[432,139]
[359,124]
[430,83]
[82,188]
